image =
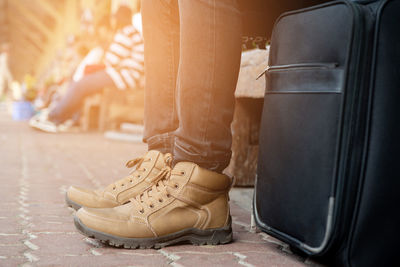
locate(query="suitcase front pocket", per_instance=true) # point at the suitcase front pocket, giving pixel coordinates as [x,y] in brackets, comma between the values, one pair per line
[301,120]
[304,78]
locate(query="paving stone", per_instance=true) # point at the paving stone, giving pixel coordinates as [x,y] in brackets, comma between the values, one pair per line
[264,258]
[240,215]
[11,225]
[247,237]
[12,250]
[103,260]
[12,261]
[9,211]
[52,224]
[236,245]
[60,244]
[52,195]
[59,209]
[11,239]
[198,259]
[9,205]
[98,247]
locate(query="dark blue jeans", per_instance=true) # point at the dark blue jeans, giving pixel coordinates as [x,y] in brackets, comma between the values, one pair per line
[76,92]
[192,60]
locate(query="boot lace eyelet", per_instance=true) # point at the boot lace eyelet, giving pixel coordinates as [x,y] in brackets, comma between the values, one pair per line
[144,169]
[141,211]
[131,181]
[122,184]
[176,186]
[168,195]
[160,200]
[151,206]
[183,172]
[114,188]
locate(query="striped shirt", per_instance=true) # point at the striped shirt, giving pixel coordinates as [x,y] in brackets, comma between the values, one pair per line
[124,59]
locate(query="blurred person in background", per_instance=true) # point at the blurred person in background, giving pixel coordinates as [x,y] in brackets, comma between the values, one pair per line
[51,92]
[121,67]
[5,74]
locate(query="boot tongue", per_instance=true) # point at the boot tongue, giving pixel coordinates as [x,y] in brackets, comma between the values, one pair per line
[182,171]
[160,160]
[157,158]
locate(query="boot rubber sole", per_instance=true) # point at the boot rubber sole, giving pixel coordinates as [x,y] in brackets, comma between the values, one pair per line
[71,203]
[192,235]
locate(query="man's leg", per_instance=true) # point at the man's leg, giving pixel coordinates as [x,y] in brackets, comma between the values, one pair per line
[72,101]
[208,70]
[161,41]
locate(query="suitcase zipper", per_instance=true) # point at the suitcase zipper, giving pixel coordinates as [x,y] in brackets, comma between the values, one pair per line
[360,36]
[298,66]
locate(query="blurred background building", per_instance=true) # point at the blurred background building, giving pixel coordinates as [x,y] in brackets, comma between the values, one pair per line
[42,38]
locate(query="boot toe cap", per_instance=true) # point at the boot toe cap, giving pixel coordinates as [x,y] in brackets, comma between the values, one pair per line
[112,222]
[87,198]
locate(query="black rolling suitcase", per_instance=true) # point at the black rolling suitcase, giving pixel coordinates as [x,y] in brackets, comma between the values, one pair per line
[328,179]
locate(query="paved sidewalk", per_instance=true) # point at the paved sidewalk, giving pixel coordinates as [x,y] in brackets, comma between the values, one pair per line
[36,227]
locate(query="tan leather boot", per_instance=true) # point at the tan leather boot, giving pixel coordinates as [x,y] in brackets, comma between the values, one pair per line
[191,206]
[149,169]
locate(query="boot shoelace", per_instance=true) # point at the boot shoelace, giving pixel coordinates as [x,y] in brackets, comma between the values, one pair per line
[157,192]
[137,172]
